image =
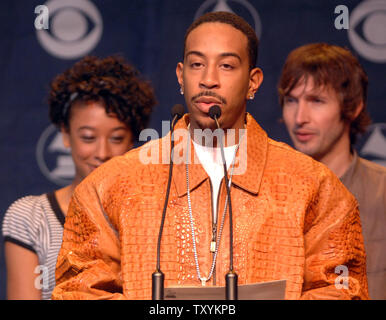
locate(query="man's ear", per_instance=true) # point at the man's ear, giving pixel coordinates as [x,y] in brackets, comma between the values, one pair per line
[179,73]
[357,111]
[255,79]
[65,136]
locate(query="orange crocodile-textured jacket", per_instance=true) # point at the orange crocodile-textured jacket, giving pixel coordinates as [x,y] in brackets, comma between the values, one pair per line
[292,219]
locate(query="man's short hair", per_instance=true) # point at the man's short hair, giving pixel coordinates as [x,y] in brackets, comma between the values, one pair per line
[331,66]
[236,22]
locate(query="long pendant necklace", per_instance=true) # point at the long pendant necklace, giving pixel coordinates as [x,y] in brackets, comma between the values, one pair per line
[205,279]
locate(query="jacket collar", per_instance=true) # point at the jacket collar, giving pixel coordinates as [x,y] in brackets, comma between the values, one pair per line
[251,157]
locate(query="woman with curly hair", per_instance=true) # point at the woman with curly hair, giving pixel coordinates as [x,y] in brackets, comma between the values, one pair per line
[100,107]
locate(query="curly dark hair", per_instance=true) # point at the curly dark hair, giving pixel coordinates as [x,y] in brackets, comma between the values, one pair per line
[110,80]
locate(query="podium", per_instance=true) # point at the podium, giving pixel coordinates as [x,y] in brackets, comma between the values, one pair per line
[271,290]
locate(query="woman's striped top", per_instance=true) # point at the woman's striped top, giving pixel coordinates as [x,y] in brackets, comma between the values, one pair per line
[36,223]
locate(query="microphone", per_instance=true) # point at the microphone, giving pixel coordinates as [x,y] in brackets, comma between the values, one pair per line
[158,277]
[215,113]
[231,276]
[178,111]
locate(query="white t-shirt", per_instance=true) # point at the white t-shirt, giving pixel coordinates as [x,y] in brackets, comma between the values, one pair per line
[211,160]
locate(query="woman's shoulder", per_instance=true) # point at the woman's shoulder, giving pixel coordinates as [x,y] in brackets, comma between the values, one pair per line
[25,211]
[28,203]
[24,220]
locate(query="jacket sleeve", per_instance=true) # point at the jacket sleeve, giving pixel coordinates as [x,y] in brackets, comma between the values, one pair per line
[88,265]
[335,266]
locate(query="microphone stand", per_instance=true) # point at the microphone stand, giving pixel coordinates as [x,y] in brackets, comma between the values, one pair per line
[231,277]
[158,277]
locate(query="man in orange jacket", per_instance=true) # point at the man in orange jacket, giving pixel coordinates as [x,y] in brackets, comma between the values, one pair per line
[292,218]
[323,93]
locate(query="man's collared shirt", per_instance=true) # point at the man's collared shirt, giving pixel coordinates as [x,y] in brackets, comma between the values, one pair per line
[367,182]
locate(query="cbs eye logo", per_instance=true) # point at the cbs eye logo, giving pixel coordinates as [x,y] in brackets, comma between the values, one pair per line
[75,27]
[367,32]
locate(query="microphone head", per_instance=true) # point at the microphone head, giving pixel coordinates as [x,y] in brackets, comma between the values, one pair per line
[215,111]
[178,110]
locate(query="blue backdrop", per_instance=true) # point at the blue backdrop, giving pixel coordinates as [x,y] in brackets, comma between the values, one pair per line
[149,34]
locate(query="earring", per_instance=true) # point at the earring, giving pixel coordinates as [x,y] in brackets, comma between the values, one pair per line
[251,96]
[181,91]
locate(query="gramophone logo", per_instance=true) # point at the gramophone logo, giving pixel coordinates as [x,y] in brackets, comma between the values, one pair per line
[367,31]
[53,158]
[240,7]
[75,28]
[373,146]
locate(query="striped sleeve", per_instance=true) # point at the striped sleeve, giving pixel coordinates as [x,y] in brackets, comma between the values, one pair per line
[21,223]
[36,223]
